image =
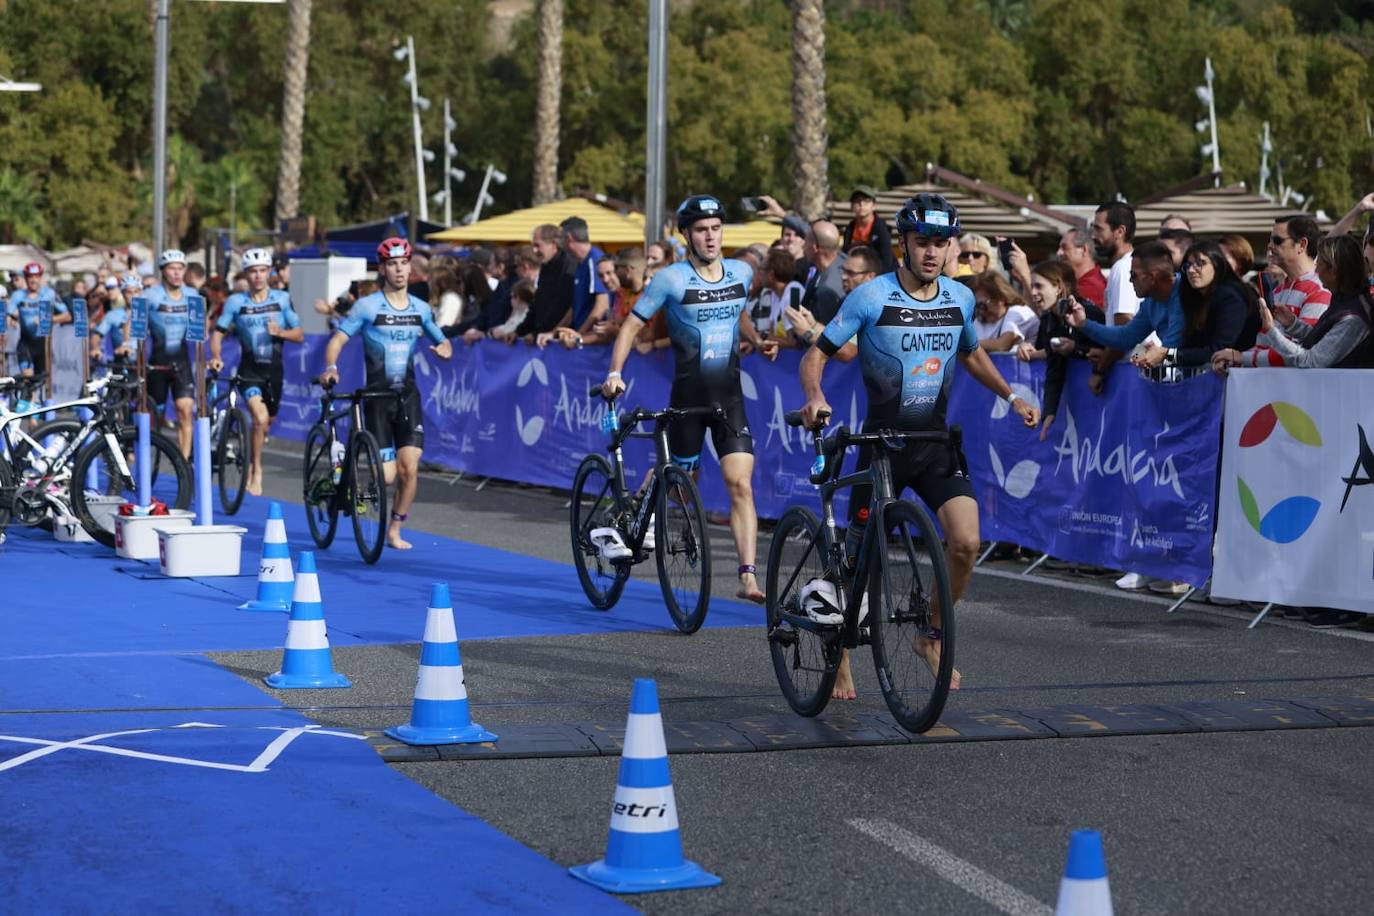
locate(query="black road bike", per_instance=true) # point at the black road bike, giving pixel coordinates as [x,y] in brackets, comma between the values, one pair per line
[346,478]
[896,598]
[229,430]
[680,544]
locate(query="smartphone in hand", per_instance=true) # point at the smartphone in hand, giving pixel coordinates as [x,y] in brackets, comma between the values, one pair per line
[1004,253]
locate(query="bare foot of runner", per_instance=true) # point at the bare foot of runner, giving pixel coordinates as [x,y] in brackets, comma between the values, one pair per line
[254,486]
[395,541]
[929,649]
[844,681]
[749,589]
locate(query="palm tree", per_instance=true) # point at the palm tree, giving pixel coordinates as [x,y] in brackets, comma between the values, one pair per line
[810,136]
[21,217]
[550,79]
[293,110]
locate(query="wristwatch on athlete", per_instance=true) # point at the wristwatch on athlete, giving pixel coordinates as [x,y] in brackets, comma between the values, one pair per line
[1013,398]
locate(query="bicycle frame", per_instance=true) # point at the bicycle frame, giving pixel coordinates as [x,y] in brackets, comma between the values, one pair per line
[639,526]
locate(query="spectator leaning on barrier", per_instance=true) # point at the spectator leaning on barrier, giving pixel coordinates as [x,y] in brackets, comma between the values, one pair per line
[554,290]
[604,329]
[1002,318]
[868,228]
[1156,287]
[825,289]
[521,301]
[1293,246]
[1341,338]
[590,299]
[1053,284]
[779,292]
[1219,312]
[1113,233]
[1076,248]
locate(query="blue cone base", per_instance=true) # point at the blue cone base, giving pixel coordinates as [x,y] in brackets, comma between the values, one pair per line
[255,605]
[643,880]
[411,734]
[294,681]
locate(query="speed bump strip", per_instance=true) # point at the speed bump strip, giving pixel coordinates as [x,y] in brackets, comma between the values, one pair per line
[788,732]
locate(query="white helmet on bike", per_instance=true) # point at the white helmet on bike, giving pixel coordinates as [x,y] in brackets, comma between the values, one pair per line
[257,257]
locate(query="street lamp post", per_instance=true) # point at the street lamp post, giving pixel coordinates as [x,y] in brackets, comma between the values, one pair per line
[483,198]
[451,173]
[418,103]
[655,179]
[160,127]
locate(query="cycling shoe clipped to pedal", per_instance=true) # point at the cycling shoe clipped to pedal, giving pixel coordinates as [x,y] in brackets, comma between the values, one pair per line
[610,544]
[821,603]
[649,541]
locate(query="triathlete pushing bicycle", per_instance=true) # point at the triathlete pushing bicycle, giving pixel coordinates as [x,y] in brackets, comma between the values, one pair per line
[392,322]
[705,298]
[911,326]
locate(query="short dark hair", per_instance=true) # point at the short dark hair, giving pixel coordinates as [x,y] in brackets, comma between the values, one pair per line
[1155,254]
[575,228]
[780,263]
[195,270]
[1120,215]
[548,232]
[1302,226]
[870,257]
[523,290]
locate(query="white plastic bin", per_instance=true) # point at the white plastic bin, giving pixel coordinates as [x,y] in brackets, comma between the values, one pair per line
[136,535]
[103,509]
[68,530]
[200,550]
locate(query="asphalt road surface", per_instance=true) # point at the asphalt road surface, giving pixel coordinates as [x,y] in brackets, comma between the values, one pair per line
[1272,820]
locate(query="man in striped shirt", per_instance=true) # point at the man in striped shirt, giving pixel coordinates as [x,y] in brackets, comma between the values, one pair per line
[1293,246]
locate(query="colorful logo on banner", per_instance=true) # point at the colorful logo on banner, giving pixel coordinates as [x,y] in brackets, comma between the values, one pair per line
[1290,518]
[1020,480]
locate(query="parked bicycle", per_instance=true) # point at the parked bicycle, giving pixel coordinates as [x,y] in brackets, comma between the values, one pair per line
[229,427]
[344,475]
[614,529]
[818,606]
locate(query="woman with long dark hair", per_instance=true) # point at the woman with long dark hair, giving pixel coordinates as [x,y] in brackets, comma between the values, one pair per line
[1054,289]
[1342,338]
[1220,311]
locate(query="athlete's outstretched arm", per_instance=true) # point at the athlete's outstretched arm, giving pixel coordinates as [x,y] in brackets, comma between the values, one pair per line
[331,354]
[624,342]
[979,365]
[812,368]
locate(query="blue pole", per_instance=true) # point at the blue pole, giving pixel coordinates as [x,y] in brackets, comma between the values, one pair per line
[205,506]
[143,458]
[92,477]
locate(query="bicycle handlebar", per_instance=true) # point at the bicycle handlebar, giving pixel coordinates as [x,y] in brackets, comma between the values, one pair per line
[894,440]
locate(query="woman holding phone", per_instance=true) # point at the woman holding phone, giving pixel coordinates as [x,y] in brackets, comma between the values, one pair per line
[1219,312]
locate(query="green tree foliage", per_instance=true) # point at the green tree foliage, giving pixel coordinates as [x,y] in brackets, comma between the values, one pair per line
[1072,100]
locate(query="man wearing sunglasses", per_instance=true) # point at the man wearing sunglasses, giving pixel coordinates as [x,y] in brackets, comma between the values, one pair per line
[1293,246]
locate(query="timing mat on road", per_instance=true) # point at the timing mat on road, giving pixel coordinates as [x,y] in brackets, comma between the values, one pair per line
[785,732]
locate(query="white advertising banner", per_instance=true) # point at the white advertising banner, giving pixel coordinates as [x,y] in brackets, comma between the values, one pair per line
[1296,518]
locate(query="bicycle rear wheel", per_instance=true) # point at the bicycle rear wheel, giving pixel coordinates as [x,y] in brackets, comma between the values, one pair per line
[806,661]
[593,506]
[367,490]
[231,454]
[683,549]
[96,473]
[910,590]
[321,507]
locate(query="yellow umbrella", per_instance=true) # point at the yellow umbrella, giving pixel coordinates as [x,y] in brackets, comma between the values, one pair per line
[607,227]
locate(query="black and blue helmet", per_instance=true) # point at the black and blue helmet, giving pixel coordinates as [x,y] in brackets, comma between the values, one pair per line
[698,207]
[929,215]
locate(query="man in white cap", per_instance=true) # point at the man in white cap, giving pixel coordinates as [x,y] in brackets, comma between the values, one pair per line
[169,359]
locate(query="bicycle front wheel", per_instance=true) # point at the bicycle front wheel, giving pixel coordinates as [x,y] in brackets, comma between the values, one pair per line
[321,507]
[367,490]
[806,660]
[97,474]
[231,454]
[683,549]
[913,630]
[593,506]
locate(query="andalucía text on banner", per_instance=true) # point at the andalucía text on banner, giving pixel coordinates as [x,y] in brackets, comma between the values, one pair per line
[1126,480]
[1297,489]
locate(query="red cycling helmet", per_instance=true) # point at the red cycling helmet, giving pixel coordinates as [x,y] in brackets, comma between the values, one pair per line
[394,247]
[33,269]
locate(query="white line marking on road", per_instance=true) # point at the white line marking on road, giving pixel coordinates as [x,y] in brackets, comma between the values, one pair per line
[964,875]
[259,765]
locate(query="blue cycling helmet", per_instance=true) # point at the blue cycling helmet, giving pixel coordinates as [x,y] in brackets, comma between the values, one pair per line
[698,207]
[929,215]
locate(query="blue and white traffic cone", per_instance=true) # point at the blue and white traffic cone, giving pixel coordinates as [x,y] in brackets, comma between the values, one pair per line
[1084,890]
[306,661]
[644,849]
[440,712]
[275,581]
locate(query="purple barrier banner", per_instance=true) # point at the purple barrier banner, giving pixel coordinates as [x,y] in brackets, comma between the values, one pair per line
[1126,480]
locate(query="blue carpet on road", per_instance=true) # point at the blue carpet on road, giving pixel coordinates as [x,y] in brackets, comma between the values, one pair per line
[166,819]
